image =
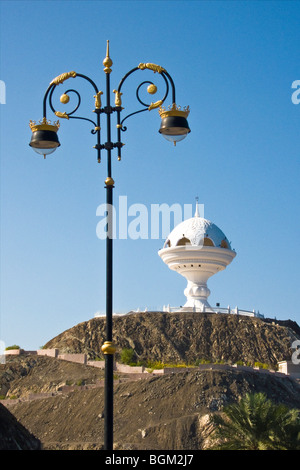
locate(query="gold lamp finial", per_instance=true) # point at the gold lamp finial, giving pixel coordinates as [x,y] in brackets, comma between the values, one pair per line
[174,110]
[107,61]
[44,125]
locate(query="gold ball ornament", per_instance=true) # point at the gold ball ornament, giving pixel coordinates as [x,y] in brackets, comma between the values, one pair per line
[152,89]
[64,98]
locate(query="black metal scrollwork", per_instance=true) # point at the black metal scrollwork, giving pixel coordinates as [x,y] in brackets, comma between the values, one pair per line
[109,109]
[69,115]
[167,80]
[147,106]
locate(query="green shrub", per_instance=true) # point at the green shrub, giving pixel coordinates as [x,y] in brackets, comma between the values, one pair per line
[14,346]
[261,365]
[128,356]
[202,361]
[155,365]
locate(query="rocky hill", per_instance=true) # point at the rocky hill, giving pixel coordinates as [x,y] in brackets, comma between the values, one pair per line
[185,337]
[54,404]
[13,435]
[158,413]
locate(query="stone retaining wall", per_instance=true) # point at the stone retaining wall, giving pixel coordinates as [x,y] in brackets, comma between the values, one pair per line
[82,359]
[47,352]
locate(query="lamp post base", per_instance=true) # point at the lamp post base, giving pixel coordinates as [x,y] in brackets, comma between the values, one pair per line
[108,405]
[108,395]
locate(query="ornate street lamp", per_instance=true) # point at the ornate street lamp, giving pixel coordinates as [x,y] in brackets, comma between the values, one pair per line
[44,140]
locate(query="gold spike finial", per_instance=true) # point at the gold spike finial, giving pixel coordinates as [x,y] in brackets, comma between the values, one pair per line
[107,61]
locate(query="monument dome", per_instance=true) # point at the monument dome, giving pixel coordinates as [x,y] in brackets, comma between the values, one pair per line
[197,249]
[197,231]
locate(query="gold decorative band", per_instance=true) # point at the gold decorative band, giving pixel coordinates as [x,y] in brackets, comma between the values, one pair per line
[155,105]
[61,78]
[108,348]
[153,67]
[61,115]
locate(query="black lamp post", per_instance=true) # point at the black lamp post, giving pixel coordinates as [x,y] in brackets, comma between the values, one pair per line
[174,127]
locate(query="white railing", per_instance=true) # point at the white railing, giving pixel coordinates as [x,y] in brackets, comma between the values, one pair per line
[234,311]
[168,308]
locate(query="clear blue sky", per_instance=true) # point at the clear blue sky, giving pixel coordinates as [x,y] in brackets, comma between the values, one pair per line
[234,64]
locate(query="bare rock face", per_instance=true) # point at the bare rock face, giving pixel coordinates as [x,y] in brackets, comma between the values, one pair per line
[14,436]
[167,412]
[185,337]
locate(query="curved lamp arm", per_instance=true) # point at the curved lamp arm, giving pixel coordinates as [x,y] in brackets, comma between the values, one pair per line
[151,90]
[42,142]
[174,125]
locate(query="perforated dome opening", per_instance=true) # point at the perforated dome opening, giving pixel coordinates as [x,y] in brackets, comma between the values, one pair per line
[197,231]
[183,241]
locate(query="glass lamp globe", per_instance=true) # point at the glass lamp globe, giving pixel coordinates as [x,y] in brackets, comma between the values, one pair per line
[174,126]
[44,140]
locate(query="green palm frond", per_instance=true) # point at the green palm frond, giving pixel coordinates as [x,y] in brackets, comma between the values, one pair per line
[256,423]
